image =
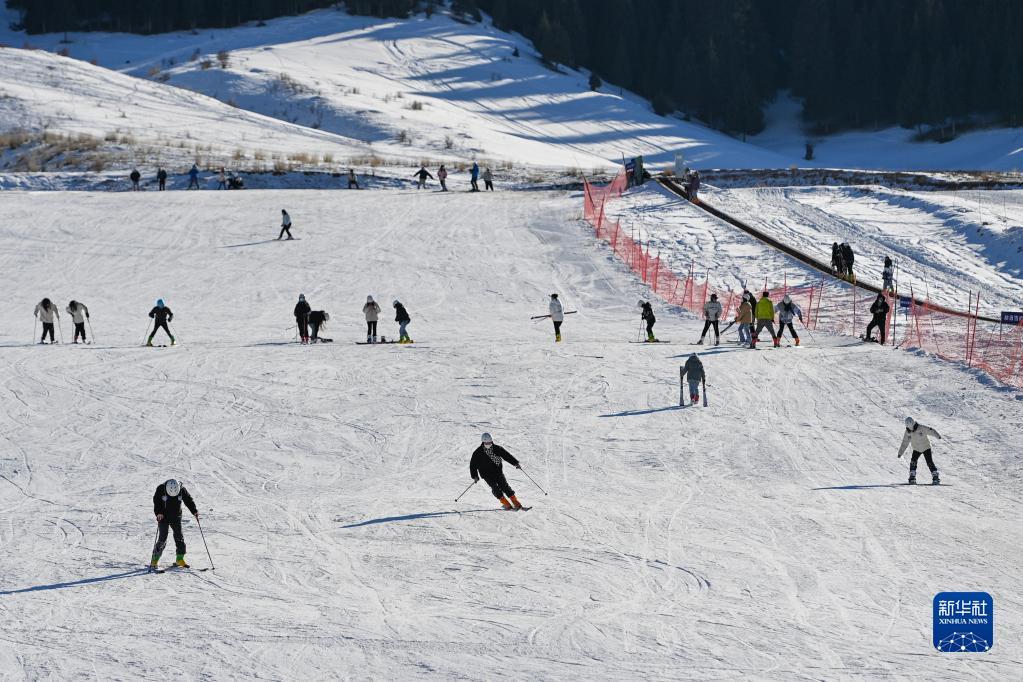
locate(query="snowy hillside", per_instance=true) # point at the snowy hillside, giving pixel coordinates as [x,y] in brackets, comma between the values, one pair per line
[765,536]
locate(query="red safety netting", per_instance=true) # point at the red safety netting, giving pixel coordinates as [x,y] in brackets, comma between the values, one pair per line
[836,307]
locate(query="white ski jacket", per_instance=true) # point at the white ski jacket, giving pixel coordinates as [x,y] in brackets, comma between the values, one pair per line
[372,311]
[785,315]
[78,315]
[712,311]
[557,311]
[45,315]
[918,438]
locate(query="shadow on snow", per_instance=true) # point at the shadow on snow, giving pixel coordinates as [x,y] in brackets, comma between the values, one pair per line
[653,410]
[413,517]
[76,583]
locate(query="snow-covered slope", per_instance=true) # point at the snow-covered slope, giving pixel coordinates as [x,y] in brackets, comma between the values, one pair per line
[763,536]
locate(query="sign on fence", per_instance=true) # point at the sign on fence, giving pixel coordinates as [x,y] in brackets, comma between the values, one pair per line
[1011,318]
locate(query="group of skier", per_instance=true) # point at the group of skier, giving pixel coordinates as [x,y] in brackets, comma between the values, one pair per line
[47,313]
[842,258]
[422,175]
[308,320]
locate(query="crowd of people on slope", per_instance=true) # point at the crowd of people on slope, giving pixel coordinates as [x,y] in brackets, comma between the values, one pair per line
[422,175]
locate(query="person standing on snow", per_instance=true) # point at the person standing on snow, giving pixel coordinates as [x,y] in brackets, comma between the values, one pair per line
[302,311]
[694,370]
[193,177]
[786,311]
[372,312]
[401,316]
[135,177]
[47,312]
[161,315]
[285,224]
[79,313]
[317,319]
[847,258]
[161,179]
[647,316]
[422,174]
[488,179]
[222,179]
[474,177]
[167,507]
[765,319]
[744,316]
[888,276]
[557,313]
[879,311]
[711,316]
[917,436]
[353,182]
[694,187]
[442,176]
[486,462]
[837,262]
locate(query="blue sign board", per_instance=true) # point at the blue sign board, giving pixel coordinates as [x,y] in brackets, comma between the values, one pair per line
[964,622]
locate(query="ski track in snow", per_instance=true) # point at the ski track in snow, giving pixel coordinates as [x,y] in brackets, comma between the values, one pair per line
[763,537]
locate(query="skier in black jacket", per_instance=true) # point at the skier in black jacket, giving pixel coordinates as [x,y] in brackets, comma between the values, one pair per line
[848,257]
[317,319]
[167,508]
[161,315]
[401,316]
[879,309]
[486,462]
[647,315]
[302,310]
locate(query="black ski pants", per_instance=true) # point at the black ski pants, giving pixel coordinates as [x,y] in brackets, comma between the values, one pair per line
[79,330]
[475,185]
[927,458]
[315,329]
[761,324]
[880,322]
[161,539]
[163,185]
[285,228]
[47,329]
[557,327]
[792,330]
[499,485]
[707,325]
[650,326]
[162,324]
[489,184]
[302,322]
[371,327]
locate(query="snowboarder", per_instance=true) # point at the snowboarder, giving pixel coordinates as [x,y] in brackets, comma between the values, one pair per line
[879,310]
[167,507]
[353,182]
[488,179]
[917,436]
[161,315]
[222,179]
[694,370]
[765,318]
[486,462]
[79,313]
[474,177]
[648,316]
[317,319]
[302,311]
[193,177]
[422,174]
[847,258]
[47,312]
[135,177]
[744,316]
[888,276]
[161,179]
[401,316]
[786,310]
[557,313]
[711,315]
[372,312]
[442,176]
[285,225]
[837,263]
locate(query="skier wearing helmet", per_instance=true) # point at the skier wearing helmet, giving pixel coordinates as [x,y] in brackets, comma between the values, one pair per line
[711,316]
[917,436]
[167,507]
[648,316]
[302,311]
[402,318]
[786,310]
[694,370]
[372,312]
[486,462]
[161,315]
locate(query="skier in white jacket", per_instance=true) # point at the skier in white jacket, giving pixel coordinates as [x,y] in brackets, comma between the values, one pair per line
[47,312]
[786,311]
[917,436]
[79,312]
[557,315]
[711,316]
[372,312]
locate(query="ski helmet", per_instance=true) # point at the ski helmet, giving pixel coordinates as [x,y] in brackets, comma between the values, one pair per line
[395,304]
[713,297]
[786,298]
[554,295]
[641,303]
[369,299]
[487,439]
[159,303]
[910,422]
[301,297]
[173,487]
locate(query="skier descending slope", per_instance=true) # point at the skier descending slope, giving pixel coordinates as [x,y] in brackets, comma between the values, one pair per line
[786,311]
[917,436]
[486,462]
[648,317]
[694,370]
[161,315]
[47,312]
[557,313]
[79,313]
[302,318]
[167,507]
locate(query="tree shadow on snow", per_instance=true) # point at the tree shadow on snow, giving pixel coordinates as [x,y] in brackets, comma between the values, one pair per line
[413,517]
[76,583]
[653,410]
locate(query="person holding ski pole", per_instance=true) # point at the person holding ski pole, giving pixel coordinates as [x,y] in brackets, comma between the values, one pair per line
[557,313]
[302,311]
[765,319]
[372,312]
[285,224]
[711,315]
[879,312]
[694,370]
[167,507]
[786,310]
[161,315]
[79,313]
[917,436]
[744,316]
[422,174]
[401,316]
[486,462]
[647,316]
[47,313]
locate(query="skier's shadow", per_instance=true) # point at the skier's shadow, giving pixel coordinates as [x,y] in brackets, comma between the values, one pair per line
[236,246]
[76,583]
[862,487]
[634,413]
[414,517]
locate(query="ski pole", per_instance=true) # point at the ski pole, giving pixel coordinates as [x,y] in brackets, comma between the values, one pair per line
[534,482]
[466,490]
[144,335]
[34,325]
[60,330]
[155,542]
[809,332]
[91,333]
[203,535]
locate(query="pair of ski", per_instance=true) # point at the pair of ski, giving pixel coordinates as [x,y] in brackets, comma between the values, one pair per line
[150,569]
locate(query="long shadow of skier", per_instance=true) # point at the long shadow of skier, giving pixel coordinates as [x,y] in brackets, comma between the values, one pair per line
[265,241]
[711,351]
[413,517]
[76,583]
[862,487]
[633,413]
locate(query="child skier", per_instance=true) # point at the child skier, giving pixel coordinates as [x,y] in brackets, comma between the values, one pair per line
[79,313]
[557,313]
[372,312]
[786,311]
[47,312]
[917,436]
[711,315]
[302,311]
[167,507]
[161,315]
[765,318]
[694,370]
[648,316]
[401,316]
[486,462]
[285,224]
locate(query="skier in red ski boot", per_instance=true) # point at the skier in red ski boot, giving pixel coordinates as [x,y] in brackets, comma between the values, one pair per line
[486,462]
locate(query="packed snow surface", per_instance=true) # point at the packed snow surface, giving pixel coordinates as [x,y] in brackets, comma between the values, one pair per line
[766,535]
